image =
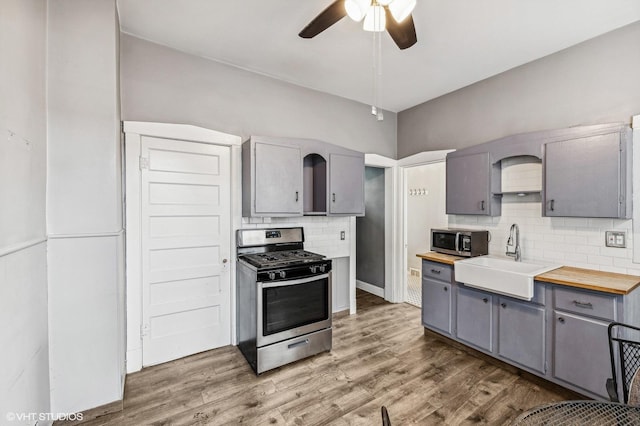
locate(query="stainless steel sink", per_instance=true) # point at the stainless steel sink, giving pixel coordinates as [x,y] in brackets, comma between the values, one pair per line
[502,276]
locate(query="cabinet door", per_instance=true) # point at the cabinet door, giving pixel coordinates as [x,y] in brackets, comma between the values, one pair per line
[474,317]
[346,184]
[278,179]
[436,305]
[581,352]
[469,184]
[582,177]
[521,333]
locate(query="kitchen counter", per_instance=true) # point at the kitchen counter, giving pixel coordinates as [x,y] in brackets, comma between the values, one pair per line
[607,282]
[439,257]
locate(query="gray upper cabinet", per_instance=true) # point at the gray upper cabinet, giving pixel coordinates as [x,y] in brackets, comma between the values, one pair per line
[586,172]
[587,177]
[346,184]
[469,185]
[292,177]
[272,179]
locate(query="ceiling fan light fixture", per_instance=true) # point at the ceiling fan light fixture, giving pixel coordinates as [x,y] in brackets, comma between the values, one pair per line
[400,9]
[384,2]
[356,9]
[375,19]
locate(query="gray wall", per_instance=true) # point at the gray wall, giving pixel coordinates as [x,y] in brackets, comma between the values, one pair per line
[370,230]
[24,380]
[165,85]
[594,82]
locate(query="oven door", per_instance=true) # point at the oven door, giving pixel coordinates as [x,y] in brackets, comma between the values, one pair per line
[288,309]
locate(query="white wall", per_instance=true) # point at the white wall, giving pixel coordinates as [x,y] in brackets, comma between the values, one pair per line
[425,208]
[24,377]
[84,210]
[575,242]
[164,85]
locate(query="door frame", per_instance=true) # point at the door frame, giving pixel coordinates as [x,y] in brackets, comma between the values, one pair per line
[420,159]
[133,132]
[395,211]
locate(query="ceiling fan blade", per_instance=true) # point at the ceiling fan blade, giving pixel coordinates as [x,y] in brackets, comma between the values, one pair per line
[325,19]
[403,33]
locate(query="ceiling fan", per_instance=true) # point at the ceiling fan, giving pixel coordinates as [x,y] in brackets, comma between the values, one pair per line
[392,15]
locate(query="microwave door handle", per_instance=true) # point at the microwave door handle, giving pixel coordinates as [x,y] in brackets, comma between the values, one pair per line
[457,242]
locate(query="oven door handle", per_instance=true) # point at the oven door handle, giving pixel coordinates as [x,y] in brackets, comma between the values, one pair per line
[283,283]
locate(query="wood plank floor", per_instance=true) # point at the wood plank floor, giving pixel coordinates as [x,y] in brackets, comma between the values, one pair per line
[380,357]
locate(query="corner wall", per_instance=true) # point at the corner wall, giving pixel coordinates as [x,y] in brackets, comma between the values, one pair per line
[590,83]
[24,376]
[84,206]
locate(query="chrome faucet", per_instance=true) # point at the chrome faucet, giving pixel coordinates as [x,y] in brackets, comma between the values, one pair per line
[513,243]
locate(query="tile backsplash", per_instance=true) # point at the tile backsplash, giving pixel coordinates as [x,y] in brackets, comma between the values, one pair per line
[321,233]
[578,242]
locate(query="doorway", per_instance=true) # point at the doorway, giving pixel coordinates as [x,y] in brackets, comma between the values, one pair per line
[370,234]
[423,193]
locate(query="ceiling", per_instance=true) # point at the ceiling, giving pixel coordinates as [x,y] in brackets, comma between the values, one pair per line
[460,42]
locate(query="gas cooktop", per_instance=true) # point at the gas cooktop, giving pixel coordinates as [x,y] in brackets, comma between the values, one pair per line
[274,259]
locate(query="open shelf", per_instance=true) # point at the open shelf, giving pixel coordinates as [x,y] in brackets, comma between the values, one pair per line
[315,185]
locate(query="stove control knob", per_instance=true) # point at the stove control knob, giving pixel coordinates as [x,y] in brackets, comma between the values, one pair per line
[314,269]
[283,274]
[323,268]
[272,275]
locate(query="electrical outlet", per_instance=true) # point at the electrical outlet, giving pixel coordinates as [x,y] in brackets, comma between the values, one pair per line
[342,235]
[615,239]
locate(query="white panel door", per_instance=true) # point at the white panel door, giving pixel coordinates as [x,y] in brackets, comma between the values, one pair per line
[186,245]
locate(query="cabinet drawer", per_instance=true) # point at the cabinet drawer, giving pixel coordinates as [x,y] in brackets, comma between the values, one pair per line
[585,303]
[436,271]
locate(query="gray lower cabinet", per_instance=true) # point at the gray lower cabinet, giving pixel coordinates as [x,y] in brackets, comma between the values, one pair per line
[572,188]
[580,341]
[469,185]
[521,333]
[474,318]
[346,184]
[581,352]
[560,335]
[436,305]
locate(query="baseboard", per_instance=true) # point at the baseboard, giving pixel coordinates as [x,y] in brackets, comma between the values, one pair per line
[370,288]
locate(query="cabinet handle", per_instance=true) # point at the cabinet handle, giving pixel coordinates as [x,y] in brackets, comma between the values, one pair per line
[435,271]
[296,196]
[585,305]
[334,197]
[485,300]
[551,205]
[561,320]
[445,289]
[504,305]
[482,205]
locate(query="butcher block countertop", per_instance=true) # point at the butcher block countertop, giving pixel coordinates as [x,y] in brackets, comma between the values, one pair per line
[439,257]
[607,282]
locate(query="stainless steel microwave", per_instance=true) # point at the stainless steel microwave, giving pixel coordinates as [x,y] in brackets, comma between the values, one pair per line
[460,242]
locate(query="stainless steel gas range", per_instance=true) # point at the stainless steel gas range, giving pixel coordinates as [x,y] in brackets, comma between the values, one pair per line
[283,302]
